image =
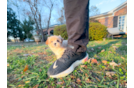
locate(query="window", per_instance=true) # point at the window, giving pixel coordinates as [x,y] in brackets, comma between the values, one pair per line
[121,22]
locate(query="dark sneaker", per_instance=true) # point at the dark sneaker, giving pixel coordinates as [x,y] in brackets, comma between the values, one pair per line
[66,64]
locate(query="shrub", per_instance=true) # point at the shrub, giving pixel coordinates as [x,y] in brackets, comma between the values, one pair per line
[61,30]
[97,31]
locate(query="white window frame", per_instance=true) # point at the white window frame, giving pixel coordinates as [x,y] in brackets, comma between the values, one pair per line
[124,23]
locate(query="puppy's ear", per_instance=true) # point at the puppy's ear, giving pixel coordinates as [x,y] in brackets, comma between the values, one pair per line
[47,42]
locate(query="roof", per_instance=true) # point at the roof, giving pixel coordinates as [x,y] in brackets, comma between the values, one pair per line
[51,26]
[112,11]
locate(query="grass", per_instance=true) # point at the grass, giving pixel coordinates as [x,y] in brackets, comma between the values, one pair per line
[89,75]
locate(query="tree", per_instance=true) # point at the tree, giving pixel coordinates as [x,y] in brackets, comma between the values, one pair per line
[94,11]
[61,19]
[36,14]
[49,5]
[12,24]
[27,28]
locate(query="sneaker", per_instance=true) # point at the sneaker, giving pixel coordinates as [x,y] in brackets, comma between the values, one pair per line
[66,64]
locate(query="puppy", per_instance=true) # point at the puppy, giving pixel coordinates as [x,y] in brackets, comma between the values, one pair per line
[57,45]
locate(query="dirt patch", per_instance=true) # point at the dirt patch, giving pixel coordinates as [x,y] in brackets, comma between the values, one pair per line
[17,50]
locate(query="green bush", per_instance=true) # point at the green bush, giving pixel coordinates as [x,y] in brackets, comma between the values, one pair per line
[97,31]
[61,30]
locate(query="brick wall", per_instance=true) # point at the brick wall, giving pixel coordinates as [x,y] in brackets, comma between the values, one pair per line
[108,21]
[122,11]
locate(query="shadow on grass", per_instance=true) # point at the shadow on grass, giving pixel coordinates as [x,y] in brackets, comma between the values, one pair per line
[96,50]
[122,50]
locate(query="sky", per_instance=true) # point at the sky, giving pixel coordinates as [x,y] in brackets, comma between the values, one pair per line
[103,5]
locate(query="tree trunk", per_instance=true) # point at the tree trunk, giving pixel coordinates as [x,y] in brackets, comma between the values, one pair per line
[49,17]
[42,40]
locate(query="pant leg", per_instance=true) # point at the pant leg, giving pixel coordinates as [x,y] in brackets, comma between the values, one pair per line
[77,22]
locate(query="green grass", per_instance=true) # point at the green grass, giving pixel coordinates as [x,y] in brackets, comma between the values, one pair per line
[89,75]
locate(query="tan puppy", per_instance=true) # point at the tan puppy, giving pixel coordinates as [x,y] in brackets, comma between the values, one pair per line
[57,45]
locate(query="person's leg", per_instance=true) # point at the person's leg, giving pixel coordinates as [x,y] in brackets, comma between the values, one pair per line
[77,21]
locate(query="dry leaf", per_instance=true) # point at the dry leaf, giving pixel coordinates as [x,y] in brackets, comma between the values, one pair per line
[86,74]
[113,64]
[109,51]
[94,61]
[27,81]
[104,62]
[78,80]
[89,60]
[88,81]
[36,86]
[122,57]
[20,85]
[103,50]
[62,86]
[73,77]
[7,64]
[109,74]
[83,66]
[26,68]
[81,70]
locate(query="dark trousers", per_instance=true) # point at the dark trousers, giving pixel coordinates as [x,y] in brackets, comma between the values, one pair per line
[77,22]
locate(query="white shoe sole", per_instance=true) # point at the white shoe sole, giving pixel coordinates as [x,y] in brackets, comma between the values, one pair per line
[71,68]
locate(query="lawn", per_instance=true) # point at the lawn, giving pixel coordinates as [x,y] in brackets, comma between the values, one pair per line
[27,66]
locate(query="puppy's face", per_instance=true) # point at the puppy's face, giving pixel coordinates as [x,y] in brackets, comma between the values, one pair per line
[54,41]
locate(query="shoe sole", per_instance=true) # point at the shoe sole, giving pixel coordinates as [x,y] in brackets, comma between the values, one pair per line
[71,68]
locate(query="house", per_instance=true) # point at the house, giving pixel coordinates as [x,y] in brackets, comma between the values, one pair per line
[115,20]
[50,30]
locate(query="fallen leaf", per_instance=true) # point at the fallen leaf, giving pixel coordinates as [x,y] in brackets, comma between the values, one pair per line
[122,57]
[86,74]
[7,64]
[113,64]
[81,70]
[20,85]
[94,61]
[73,77]
[78,80]
[109,74]
[27,81]
[93,45]
[88,81]
[83,66]
[103,50]
[109,51]
[97,79]
[95,55]
[89,60]
[36,86]
[106,42]
[26,68]
[104,62]
[62,86]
